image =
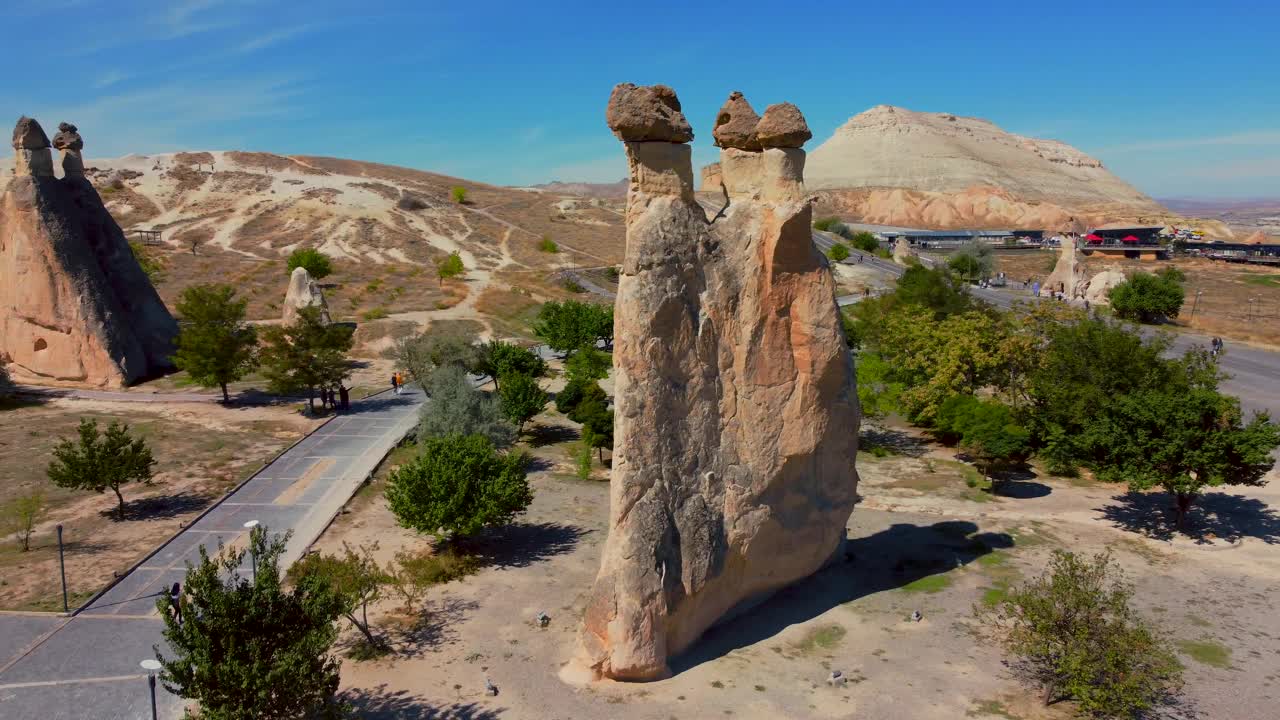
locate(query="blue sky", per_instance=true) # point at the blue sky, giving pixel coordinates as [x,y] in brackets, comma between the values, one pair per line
[1179,98]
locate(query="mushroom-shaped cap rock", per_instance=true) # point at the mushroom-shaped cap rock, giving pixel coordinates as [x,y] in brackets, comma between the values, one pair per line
[736,124]
[647,114]
[28,135]
[67,138]
[783,127]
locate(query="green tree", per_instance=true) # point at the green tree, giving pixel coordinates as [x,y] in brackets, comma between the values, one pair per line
[457,486]
[973,261]
[569,325]
[247,649]
[215,344]
[547,245]
[152,266]
[587,364]
[459,194]
[1147,298]
[1184,441]
[575,396]
[356,579]
[421,355]
[449,266]
[1073,633]
[937,290]
[98,461]
[455,406]
[986,431]
[317,263]
[597,422]
[878,392]
[838,252]
[307,355]
[497,358]
[21,515]
[521,399]
[826,224]
[865,241]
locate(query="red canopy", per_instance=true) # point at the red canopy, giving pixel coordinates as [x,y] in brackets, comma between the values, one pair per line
[1092,239]
[1130,239]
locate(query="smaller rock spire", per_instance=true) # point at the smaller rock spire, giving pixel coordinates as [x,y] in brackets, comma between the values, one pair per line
[31,149]
[783,126]
[69,142]
[736,124]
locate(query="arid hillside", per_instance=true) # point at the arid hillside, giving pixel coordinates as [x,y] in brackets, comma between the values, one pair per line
[235,216]
[894,166]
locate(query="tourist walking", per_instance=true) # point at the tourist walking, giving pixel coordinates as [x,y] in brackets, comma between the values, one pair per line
[395,383]
[345,396]
[175,596]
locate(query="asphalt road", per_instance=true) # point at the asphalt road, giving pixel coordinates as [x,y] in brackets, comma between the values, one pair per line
[86,667]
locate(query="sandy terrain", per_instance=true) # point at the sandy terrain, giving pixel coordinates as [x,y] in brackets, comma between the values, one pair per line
[202,450]
[921,540]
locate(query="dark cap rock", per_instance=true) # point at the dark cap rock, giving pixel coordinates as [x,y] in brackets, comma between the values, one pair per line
[782,127]
[736,124]
[28,135]
[649,113]
[67,138]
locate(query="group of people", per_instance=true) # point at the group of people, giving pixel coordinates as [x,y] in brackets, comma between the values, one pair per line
[397,382]
[338,398]
[1215,346]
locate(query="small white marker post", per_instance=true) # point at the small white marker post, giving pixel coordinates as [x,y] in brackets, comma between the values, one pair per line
[253,556]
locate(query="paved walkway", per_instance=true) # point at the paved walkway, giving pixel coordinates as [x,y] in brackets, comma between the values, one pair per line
[86,667]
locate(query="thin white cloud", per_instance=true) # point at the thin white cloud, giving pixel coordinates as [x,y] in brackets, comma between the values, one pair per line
[262,42]
[1250,138]
[1254,169]
[109,78]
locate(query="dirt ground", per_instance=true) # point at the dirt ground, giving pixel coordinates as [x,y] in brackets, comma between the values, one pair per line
[922,539]
[1236,301]
[202,450]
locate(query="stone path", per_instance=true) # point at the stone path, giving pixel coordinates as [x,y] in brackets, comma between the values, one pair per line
[86,667]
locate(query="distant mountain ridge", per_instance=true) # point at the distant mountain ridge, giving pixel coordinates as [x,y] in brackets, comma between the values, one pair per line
[895,166]
[615,190]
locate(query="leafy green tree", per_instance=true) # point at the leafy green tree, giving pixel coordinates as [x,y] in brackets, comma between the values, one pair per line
[421,355]
[839,252]
[865,241]
[826,224]
[318,264]
[569,325]
[457,486]
[459,194]
[150,265]
[450,266]
[215,344]
[1073,633]
[356,579]
[587,364]
[307,355]
[597,422]
[937,290]
[246,648]
[1184,441]
[521,399]
[986,432]
[497,358]
[582,396]
[98,461]
[973,261]
[547,245]
[1147,298]
[878,392]
[455,406]
[21,515]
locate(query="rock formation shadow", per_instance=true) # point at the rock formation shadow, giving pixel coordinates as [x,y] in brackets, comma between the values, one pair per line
[883,561]
[522,544]
[900,443]
[380,703]
[1020,489]
[1216,514]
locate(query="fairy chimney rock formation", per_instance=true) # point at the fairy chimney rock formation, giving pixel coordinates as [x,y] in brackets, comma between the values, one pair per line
[737,412]
[1069,275]
[75,306]
[902,252]
[736,124]
[303,292]
[1099,289]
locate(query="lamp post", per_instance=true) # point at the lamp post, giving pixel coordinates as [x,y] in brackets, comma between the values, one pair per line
[253,555]
[151,665]
[1196,304]
[62,568]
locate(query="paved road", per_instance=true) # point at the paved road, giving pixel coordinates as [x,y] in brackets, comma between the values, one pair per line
[86,667]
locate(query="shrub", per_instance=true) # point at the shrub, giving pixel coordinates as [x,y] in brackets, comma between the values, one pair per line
[974,261]
[357,581]
[21,515]
[450,266]
[457,407]
[582,461]
[547,245]
[377,313]
[865,241]
[839,252]
[826,224]
[317,263]
[422,354]
[573,286]
[457,486]
[520,399]
[1147,298]
[151,266]
[459,194]
[1073,633]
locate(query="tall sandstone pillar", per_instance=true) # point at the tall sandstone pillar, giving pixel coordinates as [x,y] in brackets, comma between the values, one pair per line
[74,304]
[736,410]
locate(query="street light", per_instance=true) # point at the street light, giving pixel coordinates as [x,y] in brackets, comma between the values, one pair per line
[250,525]
[151,665]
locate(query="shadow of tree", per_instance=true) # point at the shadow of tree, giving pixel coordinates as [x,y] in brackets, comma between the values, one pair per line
[537,464]
[1020,489]
[380,703]
[543,435]
[522,544]
[888,559]
[896,441]
[432,626]
[160,507]
[1215,515]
